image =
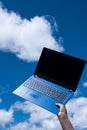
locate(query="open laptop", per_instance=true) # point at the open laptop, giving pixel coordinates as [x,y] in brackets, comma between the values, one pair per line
[54,81]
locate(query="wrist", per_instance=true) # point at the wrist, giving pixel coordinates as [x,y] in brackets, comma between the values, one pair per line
[65,122]
[62,115]
[63,118]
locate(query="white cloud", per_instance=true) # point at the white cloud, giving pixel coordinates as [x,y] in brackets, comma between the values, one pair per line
[0,100]
[5,117]
[85,84]
[20,126]
[25,38]
[77,109]
[43,118]
[3,90]
[27,126]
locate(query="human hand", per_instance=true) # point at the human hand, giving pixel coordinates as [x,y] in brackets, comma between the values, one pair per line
[63,111]
[63,118]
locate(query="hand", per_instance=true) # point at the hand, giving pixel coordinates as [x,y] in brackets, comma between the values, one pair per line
[63,111]
[63,118]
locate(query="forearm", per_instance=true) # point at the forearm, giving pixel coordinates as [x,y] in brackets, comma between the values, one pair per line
[66,124]
[63,118]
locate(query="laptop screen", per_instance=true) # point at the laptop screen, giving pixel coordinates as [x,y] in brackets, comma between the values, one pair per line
[60,68]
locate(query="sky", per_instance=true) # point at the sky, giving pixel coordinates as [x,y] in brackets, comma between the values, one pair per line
[25,28]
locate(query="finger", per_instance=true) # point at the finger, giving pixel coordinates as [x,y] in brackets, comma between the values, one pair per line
[59,105]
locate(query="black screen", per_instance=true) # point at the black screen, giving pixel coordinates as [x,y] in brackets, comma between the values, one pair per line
[60,68]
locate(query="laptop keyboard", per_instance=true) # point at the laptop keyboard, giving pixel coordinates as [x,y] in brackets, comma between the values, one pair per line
[46,89]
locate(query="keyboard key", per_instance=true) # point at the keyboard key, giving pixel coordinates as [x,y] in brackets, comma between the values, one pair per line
[46,89]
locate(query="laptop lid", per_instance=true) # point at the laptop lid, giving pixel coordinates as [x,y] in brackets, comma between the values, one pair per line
[60,68]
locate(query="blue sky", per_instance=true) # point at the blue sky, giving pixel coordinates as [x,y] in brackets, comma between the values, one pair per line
[25,27]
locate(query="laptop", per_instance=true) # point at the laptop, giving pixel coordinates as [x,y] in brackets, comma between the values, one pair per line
[55,80]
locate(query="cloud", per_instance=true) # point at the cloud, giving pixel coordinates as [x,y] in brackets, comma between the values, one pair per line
[20,126]
[6,117]
[40,119]
[26,38]
[37,115]
[3,90]
[77,110]
[85,84]
[0,100]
